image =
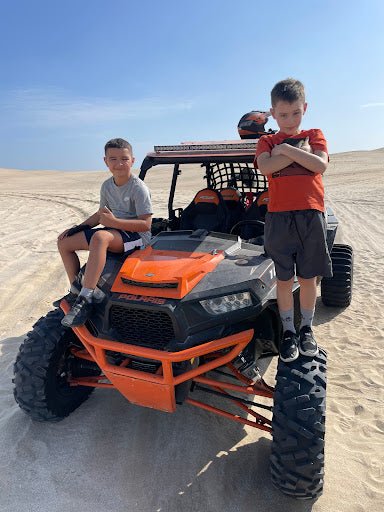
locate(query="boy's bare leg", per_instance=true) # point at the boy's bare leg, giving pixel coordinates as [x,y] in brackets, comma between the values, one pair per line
[67,247]
[284,294]
[308,293]
[101,242]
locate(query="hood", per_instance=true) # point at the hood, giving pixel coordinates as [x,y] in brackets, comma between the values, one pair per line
[161,273]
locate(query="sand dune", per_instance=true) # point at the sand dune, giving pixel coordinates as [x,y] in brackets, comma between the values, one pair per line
[111,455]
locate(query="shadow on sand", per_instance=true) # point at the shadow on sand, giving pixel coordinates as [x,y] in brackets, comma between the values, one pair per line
[325,314]
[111,455]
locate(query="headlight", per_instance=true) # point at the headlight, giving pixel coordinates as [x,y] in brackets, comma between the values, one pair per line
[227,303]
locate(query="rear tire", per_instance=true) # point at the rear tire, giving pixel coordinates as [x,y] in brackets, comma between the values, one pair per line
[298,427]
[41,371]
[336,291]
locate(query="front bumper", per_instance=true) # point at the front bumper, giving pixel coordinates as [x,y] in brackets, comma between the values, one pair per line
[157,390]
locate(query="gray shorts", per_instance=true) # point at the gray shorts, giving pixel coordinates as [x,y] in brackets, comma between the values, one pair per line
[297,242]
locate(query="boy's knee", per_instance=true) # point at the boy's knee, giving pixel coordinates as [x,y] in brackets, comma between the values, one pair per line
[61,244]
[285,284]
[307,282]
[72,243]
[100,238]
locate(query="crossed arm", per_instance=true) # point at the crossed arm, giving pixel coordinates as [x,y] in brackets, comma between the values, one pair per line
[284,154]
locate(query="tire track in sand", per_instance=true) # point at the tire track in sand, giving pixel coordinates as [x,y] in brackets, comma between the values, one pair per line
[27,229]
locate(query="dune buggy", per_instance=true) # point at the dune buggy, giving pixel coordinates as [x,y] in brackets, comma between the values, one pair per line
[195,311]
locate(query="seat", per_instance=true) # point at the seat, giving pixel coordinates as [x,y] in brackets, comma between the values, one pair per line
[236,209]
[255,212]
[207,211]
[262,199]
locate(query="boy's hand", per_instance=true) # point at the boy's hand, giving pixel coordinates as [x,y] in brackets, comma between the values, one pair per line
[301,144]
[278,150]
[63,234]
[72,231]
[106,217]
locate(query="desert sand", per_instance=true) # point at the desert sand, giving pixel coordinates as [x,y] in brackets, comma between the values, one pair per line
[111,455]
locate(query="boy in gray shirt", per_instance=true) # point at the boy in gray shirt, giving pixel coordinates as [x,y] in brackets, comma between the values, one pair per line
[126,214]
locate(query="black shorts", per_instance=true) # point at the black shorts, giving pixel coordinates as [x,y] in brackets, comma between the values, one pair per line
[131,240]
[297,242]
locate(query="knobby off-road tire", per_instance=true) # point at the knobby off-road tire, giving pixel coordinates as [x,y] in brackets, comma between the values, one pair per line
[41,370]
[298,427]
[336,291]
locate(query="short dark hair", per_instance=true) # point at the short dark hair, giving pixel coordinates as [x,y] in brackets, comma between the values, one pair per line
[289,90]
[118,143]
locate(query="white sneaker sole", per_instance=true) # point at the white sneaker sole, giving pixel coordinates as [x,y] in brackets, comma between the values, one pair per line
[290,359]
[311,353]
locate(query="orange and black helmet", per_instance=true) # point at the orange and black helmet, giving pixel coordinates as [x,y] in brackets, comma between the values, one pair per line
[251,125]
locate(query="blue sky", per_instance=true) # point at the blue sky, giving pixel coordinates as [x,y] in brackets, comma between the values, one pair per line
[76,73]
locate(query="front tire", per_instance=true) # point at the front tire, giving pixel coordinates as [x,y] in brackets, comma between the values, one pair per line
[41,371]
[298,427]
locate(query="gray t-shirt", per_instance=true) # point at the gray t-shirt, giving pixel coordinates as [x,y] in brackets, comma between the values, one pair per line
[127,201]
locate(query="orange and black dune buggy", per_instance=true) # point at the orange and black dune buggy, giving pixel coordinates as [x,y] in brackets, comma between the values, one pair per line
[195,310]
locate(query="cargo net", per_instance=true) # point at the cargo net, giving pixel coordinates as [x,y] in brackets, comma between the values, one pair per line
[243,177]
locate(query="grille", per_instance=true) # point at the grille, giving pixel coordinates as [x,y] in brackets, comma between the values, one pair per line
[145,284]
[142,327]
[144,366]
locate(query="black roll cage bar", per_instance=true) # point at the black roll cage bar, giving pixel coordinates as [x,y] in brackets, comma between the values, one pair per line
[231,170]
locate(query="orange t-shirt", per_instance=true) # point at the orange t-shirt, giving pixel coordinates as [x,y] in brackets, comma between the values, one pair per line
[294,187]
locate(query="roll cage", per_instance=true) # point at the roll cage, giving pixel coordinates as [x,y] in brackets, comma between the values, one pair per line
[226,164]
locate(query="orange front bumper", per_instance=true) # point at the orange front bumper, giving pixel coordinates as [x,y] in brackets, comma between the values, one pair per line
[147,389]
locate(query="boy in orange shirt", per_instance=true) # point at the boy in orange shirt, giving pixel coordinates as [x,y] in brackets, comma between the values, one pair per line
[294,161]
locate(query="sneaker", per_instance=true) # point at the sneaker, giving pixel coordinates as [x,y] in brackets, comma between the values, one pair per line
[307,343]
[70,298]
[289,350]
[79,312]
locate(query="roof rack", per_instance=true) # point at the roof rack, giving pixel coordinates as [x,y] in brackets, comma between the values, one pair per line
[226,145]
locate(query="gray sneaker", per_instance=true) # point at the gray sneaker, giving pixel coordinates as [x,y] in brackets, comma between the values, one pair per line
[79,313]
[70,298]
[307,343]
